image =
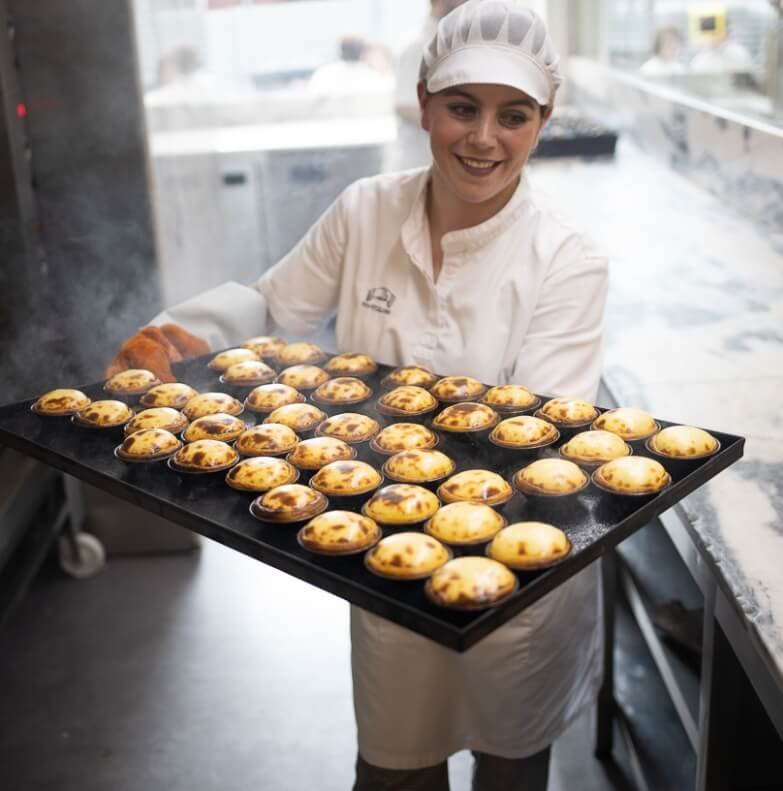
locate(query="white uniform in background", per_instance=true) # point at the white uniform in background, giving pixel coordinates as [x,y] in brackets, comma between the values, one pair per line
[520,298]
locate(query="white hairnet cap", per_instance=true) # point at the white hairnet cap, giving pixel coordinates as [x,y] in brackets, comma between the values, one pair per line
[492,41]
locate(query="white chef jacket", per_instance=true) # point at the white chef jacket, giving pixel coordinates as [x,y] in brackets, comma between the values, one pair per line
[520,298]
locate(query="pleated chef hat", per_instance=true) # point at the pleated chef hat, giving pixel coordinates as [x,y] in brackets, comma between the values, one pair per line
[492,41]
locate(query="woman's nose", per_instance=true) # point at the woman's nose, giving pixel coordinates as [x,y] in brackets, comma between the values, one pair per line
[482,132]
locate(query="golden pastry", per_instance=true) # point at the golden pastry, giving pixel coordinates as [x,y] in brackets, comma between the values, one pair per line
[157,417]
[529,545]
[218,426]
[260,474]
[632,475]
[205,404]
[594,447]
[407,400]
[403,436]
[418,466]
[465,523]
[406,556]
[466,416]
[401,504]
[203,455]
[510,398]
[172,394]
[302,377]
[627,422]
[351,427]
[149,444]
[134,381]
[683,442]
[567,411]
[458,388]
[267,398]
[480,486]
[342,390]
[265,346]
[351,364]
[291,502]
[267,439]
[524,431]
[225,359]
[299,417]
[551,477]
[339,533]
[314,453]
[413,375]
[63,401]
[104,414]
[300,354]
[250,373]
[471,583]
[346,478]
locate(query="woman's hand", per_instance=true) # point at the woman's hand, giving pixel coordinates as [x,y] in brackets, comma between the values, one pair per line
[155,348]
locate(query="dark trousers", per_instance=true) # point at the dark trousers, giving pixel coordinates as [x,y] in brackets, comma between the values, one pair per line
[490,773]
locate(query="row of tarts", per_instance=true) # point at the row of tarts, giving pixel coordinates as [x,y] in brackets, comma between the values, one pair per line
[454,509]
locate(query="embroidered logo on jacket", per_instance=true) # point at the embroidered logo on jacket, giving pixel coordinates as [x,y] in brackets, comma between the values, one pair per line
[380,299]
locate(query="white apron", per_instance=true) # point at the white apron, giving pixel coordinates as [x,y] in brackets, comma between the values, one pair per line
[520,298]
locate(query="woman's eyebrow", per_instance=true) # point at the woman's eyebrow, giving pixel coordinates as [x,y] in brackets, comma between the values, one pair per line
[525,100]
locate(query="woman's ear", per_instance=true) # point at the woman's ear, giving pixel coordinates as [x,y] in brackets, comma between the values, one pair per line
[424,99]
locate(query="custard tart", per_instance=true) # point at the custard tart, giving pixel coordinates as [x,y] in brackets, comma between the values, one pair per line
[300,354]
[401,504]
[683,442]
[594,447]
[350,427]
[551,477]
[524,431]
[149,444]
[341,391]
[134,381]
[291,502]
[632,475]
[406,401]
[479,486]
[510,398]
[171,394]
[466,417]
[267,398]
[63,401]
[471,583]
[351,364]
[566,411]
[299,417]
[315,452]
[218,426]
[250,373]
[302,377]
[627,422]
[103,414]
[458,388]
[225,359]
[260,474]
[203,455]
[406,556]
[267,439]
[465,523]
[157,417]
[205,404]
[266,347]
[418,466]
[414,375]
[403,436]
[339,533]
[525,546]
[346,478]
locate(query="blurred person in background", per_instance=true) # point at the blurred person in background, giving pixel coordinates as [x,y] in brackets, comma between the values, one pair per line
[356,71]
[667,54]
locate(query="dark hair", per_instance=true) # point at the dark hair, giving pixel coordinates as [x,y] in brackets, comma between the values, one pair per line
[662,34]
[351,48]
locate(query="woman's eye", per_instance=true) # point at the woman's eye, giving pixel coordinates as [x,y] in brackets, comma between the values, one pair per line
[514,119]
[461,110]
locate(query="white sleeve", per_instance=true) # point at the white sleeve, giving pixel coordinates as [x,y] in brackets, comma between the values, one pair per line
[301,290]
[561,353]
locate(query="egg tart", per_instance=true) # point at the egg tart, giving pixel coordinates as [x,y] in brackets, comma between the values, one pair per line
[551,477]
[594,447]
[103,414]
[301,354]
[565,412]
[479,486]
[260,474]
[413,375]
[351,427]
[346,478]
[403,436]
[401,504]
[510,398]
[303,377]
[406,556]
[218,426]
[291,502]
[351,364]
[406,401]
[134,381]
[526,546]
[63,401]
[418,466]
[225,359]
[205,404]
[250,373]
[339,533]
[458,388]
[471,583]
[632,475]
[466,416]
[267,439]
[683,442]
[267,398]
[149,444]
[299,417]
[341,391]
[465,523]
[627,422]
[157,417]
[524,431]
[203,455]
[265,346]
[314,453]
[171,394]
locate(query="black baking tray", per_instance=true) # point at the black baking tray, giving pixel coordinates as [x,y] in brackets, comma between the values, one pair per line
[593,520]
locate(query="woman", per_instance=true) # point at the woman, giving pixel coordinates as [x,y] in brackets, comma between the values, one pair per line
[475,279]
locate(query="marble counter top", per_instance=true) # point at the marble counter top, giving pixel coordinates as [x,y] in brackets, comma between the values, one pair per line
[695,335]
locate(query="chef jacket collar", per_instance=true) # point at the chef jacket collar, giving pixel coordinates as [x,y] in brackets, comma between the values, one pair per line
[415,229]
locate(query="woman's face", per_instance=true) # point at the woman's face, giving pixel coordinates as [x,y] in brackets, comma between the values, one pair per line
[481,136]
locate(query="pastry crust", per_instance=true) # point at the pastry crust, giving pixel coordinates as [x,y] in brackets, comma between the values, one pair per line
[62,401]
[627,422]
[458,388]
[479,486]
[551,477]
[104,414]
[418,466]
[260,474]
[225,359]
[465,523]
[524,431]
[529,545]
[401,504]
[339,533]
[172,394]
[403,436]
[406,556]
[134,381]
[566,411]
[471,583]
[165,417]
[218,426]
[346,478]
[465,417]
[350,427]
[291,502]
[315,452]
[150,444]
[632,475]
[683,442]
[267,398]
[267,439]
[205,404]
